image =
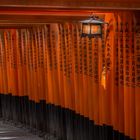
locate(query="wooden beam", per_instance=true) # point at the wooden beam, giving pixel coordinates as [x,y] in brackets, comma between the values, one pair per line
[51,12]
[73,4]
[16,12]
[43,17]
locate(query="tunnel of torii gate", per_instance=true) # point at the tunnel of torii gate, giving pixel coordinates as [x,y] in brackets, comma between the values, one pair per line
[55,82]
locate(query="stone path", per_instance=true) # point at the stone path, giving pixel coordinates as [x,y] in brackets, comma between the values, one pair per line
[8,132]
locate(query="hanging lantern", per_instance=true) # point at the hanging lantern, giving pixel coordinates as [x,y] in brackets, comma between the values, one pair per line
[92,27]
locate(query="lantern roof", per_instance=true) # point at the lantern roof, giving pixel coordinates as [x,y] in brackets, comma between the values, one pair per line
[93,20]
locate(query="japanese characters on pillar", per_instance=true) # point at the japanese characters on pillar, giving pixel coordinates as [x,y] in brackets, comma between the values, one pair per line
[95,54]
[137,55]
[127,54]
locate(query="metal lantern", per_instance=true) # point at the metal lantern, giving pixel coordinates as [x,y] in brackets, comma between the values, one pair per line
[92,27]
